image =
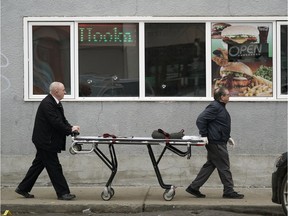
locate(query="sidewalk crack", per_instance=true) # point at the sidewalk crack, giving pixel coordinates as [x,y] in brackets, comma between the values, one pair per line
[145,198]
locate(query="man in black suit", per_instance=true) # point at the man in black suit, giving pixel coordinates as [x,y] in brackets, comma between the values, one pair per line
[49,138]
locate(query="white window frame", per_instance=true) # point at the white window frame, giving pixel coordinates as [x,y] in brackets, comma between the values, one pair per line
[279,24]
[28,59]
[73,22]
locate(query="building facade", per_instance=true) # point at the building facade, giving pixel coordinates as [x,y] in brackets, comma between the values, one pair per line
[131,67]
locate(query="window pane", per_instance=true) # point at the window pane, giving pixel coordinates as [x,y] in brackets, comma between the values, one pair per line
[284,57]
[242,58]
[51,57]
[175,59]
[108,60]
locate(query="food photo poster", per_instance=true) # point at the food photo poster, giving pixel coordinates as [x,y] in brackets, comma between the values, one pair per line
[242,58]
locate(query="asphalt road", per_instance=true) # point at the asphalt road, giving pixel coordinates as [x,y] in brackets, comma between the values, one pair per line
[160,213]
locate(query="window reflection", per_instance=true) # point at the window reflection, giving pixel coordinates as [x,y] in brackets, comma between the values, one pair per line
[175,59]
[284,57]
[51,57]
[108,60]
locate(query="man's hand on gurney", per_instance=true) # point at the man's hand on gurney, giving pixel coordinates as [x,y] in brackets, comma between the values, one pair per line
[75,129]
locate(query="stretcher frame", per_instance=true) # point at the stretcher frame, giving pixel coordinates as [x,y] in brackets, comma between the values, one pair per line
[89,144]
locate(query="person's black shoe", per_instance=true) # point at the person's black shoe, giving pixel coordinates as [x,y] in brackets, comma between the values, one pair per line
[23,193]
[233,195]
[67,197]
[195,193]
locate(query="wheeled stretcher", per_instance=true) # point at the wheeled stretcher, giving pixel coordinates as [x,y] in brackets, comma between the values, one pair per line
[89,144]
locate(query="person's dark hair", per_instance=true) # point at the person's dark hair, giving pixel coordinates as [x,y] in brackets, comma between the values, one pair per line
[218,92]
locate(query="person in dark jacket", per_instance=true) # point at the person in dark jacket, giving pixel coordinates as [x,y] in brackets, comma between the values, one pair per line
[214,125]
[49,137]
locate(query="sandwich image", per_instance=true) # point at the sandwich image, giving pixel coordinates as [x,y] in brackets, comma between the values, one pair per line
[240,34]
[217,28]
[235,75]
[240,80]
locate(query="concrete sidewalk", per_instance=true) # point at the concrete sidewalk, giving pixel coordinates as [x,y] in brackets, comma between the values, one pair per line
[137,199]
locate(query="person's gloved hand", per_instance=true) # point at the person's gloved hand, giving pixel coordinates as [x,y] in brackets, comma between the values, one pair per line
[205,140]
[231,142]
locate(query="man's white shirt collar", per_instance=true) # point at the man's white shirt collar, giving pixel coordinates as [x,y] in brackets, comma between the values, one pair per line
[57,101]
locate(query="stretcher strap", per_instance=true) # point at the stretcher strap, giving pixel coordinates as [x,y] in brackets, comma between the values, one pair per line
[166,135]
[106,135]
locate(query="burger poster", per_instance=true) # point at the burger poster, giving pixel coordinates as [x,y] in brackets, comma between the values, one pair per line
[242,58]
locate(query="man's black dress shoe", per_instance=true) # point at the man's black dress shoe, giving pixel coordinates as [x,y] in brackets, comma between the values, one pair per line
[67,197]
[195,193]
[233,195]
[23,193]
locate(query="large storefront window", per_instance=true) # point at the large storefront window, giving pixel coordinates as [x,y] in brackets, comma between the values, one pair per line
[175,59]
[156,59]
[51,57]
[242,58]
[108,60]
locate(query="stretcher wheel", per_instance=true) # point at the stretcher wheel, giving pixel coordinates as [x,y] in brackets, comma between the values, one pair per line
[112,191]
[76,147]
[106,196]
[72,151]
[168,195]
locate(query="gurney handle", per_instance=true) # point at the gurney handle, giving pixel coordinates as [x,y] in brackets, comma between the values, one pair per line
[75,133]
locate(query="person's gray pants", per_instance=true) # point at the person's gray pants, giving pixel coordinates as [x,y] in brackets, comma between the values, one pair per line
[217,157]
